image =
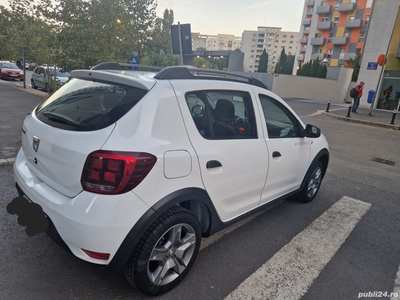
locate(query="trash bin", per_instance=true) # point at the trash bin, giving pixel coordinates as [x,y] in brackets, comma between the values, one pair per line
[371,94]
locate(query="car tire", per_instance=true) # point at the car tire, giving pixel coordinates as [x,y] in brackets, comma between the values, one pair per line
[33,84]
[312,182]
[165,253]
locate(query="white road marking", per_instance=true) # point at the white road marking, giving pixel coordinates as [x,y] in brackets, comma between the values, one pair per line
[291,271]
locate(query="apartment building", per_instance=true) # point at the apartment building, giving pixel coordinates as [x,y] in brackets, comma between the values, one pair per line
[272,39]
[219,42]
[332,31]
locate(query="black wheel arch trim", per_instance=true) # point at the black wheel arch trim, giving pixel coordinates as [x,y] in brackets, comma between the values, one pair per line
[322,156]
[123,253]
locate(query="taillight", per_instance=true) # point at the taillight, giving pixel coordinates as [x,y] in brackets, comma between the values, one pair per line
[112,172]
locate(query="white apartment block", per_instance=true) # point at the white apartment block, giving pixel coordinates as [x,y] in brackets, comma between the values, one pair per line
[219,42]
[272,39]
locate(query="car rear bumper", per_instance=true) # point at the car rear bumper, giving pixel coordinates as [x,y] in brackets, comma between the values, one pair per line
[87,221]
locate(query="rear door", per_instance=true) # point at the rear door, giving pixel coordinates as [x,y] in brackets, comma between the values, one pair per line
[225,132]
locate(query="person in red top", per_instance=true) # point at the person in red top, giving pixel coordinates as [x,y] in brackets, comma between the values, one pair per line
[356,102]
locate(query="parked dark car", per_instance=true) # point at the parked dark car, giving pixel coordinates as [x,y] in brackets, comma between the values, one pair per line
[10,71]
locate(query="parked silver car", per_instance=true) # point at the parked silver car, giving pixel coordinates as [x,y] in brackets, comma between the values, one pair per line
[42,77]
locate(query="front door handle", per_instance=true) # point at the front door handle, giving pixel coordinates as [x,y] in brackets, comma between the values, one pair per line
[213,164]
[276,154]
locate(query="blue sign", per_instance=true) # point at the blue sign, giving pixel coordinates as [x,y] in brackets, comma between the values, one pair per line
[134,60]
[372,66]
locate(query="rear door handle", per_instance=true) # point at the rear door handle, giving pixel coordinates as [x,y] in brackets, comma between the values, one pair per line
[276,154]
[213,164]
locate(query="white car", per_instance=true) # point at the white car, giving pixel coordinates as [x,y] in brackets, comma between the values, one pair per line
[130,169]
[43,76]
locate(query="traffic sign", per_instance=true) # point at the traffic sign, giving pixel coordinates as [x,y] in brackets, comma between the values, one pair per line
[134,60]
[372,66]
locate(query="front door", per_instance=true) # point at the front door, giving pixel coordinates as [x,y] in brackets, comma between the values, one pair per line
[289,151]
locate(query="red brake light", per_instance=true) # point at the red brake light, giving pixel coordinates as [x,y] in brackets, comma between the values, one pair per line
[109,172]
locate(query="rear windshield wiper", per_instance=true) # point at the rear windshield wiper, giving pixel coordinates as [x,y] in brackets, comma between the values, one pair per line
[60,119]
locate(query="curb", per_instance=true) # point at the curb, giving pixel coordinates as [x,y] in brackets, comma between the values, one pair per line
[7,161]
[364,122]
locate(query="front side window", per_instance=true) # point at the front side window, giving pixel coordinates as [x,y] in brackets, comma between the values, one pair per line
[221,114]
[281,123]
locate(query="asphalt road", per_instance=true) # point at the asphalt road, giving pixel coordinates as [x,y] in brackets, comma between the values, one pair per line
[365,261]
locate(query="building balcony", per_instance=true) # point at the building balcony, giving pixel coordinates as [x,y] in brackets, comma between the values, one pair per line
[306,31]
[317,56]
[300,58]
[303,41]
[310,3]
[309,12]
[348,56]
[306,22]
[340,40]
[355,23]
[324,25]
[317,41]
[347,7]
[303,49]
[323,9]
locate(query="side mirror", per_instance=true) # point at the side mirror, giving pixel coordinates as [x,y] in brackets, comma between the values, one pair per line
[312,131]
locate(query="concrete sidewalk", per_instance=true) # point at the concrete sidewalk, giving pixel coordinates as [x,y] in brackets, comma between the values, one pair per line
[377,118]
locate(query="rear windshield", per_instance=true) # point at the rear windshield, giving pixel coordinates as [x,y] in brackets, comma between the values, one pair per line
[82,105]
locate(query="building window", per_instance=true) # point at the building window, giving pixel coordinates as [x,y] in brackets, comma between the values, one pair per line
[337,3]
[369,4]
[335,21]
[362,36]
[341,55]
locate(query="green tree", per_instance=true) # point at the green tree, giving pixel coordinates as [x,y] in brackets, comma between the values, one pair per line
[263,64]
[282,60]
[285,63]
[158,49]
[355,64]
[288,68]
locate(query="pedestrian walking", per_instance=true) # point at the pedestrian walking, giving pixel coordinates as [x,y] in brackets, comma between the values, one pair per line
[356,98]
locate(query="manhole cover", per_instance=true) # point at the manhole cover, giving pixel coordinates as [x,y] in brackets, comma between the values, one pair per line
[384,161]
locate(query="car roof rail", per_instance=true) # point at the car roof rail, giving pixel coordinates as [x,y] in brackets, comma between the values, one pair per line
[124,66]
[182,72]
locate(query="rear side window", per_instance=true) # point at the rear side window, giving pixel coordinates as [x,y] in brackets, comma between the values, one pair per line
[221,114]
[82,105]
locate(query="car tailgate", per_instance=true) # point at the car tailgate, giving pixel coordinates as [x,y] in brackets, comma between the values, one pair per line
[57,156]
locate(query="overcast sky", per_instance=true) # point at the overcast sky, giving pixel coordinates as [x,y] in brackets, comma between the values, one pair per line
[232,16]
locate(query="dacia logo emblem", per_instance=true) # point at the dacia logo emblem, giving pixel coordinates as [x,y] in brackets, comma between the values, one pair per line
[36,142]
